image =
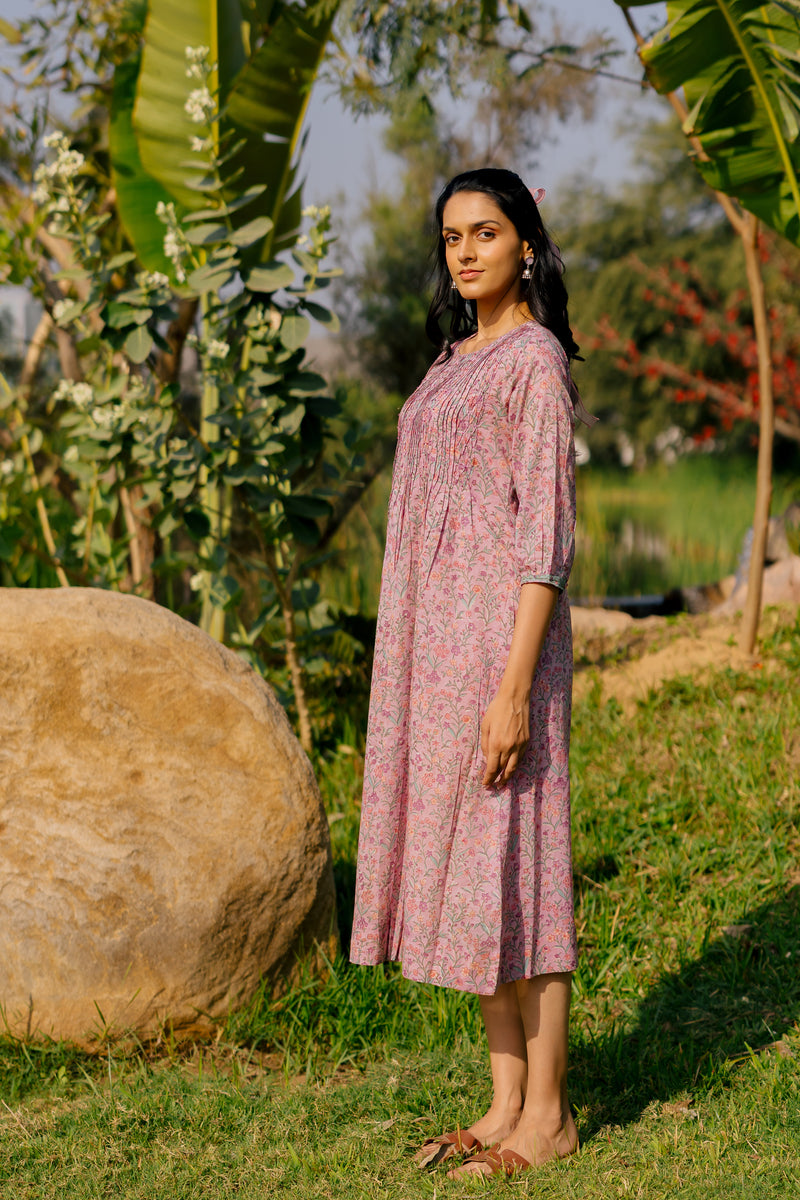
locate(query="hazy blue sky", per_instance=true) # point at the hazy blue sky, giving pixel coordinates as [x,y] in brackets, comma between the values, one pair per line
[345,155]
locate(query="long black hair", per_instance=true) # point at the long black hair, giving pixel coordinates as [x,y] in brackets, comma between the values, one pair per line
[544,293]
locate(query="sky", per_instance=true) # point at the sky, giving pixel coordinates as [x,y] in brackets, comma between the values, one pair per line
[344,156]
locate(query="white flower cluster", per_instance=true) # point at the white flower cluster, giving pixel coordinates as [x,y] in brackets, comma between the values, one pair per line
[175,246]
[79,394]
[217,349]
[149,281]
[197,62]
[317,214]
[105,417]
[66,165]
[201,145]
[7,467]
[59,308]
[200,106]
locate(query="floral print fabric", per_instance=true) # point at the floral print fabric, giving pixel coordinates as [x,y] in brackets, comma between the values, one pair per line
[471,886]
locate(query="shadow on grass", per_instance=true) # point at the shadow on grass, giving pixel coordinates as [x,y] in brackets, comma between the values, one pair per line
[739,996]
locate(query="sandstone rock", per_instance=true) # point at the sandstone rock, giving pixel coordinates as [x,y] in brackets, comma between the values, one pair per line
[590,621]
[781,586]
[162,841]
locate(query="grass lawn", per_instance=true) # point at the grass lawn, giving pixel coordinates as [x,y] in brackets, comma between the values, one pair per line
[686,1017]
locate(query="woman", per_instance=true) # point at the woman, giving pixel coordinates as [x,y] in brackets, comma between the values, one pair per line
[464,871]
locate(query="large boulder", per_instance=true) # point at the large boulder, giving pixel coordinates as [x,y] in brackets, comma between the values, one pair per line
[781,585]
[162,841]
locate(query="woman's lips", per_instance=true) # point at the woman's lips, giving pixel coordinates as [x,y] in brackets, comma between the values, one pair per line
[469,274]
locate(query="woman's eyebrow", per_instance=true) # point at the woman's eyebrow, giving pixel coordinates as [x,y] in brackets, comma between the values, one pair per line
[474,225]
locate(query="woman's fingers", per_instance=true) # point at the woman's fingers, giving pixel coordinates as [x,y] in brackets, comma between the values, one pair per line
[501,765]
[511,766]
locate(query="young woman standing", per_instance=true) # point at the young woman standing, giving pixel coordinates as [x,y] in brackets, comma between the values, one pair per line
[464,868]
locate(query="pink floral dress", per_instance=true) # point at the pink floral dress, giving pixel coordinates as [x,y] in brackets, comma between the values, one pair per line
[471,886]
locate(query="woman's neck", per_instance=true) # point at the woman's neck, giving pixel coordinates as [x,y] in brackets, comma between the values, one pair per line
[496,319]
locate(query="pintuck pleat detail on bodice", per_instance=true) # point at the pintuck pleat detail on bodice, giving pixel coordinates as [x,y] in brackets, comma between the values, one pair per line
[471,886]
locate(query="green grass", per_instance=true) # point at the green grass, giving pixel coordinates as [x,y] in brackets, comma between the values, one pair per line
[665,527]
[685,1037]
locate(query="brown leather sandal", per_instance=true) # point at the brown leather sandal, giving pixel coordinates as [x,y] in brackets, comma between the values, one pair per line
[507,1161]
[448,1145]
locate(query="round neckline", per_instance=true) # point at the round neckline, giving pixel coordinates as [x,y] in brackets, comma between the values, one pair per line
[494,342]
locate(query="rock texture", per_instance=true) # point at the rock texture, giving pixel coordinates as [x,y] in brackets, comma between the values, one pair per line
[781,586]
[162,841]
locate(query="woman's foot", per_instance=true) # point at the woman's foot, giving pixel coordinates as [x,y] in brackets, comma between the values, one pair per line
[492,1127]
[536,1140]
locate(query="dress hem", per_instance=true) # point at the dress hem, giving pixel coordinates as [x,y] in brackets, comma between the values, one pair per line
[567,968]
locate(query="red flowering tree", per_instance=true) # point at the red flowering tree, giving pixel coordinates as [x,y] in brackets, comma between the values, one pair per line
[714,361]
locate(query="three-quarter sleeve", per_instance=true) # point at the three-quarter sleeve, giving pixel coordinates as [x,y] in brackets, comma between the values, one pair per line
[543,465]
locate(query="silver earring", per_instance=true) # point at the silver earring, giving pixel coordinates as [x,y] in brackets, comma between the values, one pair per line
[453,285]
[527,273]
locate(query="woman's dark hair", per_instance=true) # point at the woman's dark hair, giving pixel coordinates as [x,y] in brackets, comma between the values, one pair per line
[544,292]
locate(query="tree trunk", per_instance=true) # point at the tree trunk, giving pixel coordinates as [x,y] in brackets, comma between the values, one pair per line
[766,433]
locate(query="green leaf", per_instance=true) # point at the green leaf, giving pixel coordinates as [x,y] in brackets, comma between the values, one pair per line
[294,330]
[120,260]
[163,128]
[307,506]
[225,591]
[734,60]
[226,210]
[137,192]
[197,523]
[265,93]
[269,278]
[118,315]
[209,278]
[181,489]
[323,315]
[207,234]
[138,344]
[252,232]
[306,382]
[10,32]
[10,535]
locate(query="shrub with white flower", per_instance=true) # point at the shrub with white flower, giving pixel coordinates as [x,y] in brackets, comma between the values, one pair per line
[200,106]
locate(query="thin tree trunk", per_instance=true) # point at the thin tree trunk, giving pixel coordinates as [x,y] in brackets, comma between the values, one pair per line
[133,535]
[283,590]
[296,673]
[168,365]
[766,433]
[29,368]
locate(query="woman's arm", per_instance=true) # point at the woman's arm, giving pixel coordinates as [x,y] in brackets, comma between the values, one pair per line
[504,729]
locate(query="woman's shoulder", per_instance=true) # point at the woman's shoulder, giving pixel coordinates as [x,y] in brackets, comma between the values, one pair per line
[535,341]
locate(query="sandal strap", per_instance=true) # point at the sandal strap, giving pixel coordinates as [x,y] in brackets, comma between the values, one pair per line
[464,1141]
[502,1160]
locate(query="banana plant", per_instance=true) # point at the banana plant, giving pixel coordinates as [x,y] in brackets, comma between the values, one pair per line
[267,55]
[738,62]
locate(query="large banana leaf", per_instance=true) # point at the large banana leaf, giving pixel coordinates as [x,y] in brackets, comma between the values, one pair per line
[137,192]
[738,63]
[271,95]
[163,129]
[269,53]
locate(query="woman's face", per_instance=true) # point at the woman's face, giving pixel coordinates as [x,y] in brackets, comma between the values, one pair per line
[485,254]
